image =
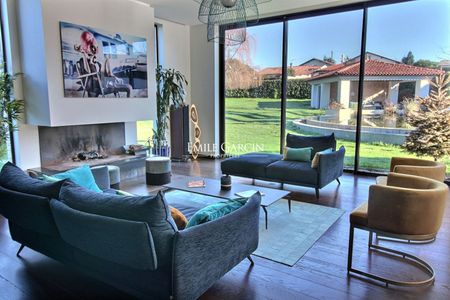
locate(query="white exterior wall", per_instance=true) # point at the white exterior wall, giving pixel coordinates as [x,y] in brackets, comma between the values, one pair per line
[315,96]
[324,95]
[393,91]
[422,88]
[344,93]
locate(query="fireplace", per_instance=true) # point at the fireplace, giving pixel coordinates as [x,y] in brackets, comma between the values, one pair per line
[69,146]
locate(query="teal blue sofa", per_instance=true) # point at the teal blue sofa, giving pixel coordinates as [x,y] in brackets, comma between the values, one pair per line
[131,243]
[272,167]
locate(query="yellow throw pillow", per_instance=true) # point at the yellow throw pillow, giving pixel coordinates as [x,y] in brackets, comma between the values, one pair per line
[316,159]
[179,218]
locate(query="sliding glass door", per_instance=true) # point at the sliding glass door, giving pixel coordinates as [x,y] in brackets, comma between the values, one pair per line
[407,46]
[321,98]
[253,91]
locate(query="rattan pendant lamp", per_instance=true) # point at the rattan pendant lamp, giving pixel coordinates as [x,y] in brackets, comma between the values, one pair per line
[228,14]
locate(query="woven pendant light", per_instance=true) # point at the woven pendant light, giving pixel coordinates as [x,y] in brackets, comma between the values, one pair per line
[222,15]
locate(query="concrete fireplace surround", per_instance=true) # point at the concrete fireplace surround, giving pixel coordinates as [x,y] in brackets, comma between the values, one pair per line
[59,145]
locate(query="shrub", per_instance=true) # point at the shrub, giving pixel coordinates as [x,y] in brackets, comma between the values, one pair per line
[297,89]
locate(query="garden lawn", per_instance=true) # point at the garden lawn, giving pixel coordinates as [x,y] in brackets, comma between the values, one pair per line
[253,121]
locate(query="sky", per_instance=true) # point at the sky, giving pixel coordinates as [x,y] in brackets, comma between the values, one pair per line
[422,27]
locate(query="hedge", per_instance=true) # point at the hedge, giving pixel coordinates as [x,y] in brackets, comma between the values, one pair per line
[297,89]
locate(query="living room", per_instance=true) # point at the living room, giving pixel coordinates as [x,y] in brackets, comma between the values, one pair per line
[217,149]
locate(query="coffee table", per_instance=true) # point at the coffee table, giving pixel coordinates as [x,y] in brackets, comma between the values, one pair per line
[212,188]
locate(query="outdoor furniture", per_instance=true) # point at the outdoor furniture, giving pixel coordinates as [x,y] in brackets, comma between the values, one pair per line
[272,167]
[418,167]
[408,207]
[158,170]
[213,188]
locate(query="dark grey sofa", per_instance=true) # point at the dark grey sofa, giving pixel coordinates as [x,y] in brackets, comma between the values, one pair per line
[272,167]
[148,258]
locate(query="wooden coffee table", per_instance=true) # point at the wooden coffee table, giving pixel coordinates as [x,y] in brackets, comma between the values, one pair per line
[212,188]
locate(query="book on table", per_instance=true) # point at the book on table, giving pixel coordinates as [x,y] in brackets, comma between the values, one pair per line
[196,183]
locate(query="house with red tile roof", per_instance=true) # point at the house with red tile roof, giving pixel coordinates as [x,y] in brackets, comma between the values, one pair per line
[303,71]
[384,81]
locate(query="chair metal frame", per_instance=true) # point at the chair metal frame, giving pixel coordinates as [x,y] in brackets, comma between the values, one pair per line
[425,266]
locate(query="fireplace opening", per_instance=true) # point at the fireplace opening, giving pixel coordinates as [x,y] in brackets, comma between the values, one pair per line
[65,147]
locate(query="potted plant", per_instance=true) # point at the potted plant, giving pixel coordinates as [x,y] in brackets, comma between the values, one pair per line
[10,110]
[170,93]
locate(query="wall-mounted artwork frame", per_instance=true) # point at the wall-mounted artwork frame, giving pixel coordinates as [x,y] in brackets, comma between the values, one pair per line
[100,63]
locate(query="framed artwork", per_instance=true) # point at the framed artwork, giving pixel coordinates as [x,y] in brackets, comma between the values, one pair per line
[99,63]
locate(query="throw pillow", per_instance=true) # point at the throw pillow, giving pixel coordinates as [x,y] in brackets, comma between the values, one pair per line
[316,159]
[81,176]
[297,154]
[123,193]
[179,218]
[215,211]
[13,178]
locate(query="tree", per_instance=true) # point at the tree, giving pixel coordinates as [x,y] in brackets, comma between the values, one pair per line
[426,63]
[431,119]
[408,59]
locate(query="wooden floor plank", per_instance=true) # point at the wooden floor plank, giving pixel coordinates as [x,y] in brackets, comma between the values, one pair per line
[319,274]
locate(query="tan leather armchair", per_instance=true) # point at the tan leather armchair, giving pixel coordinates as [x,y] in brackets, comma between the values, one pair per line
[407,207]
[415,166]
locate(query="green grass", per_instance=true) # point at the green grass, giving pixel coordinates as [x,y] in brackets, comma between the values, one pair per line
[144,131]
[257,121]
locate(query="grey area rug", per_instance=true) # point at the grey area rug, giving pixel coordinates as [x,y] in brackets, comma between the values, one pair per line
[290,235]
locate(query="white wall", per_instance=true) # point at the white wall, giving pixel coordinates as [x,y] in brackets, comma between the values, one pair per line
[42,62]
[204,86]
[27,44]
[174,47]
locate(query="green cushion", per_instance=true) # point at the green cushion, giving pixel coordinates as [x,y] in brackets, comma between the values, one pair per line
[81,176]
[316,159]
[297,154]
[215,211]
[123,193]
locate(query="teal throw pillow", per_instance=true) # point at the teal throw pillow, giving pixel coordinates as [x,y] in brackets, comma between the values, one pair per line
[81,176]
[316,159]
[297,154]
[215,211]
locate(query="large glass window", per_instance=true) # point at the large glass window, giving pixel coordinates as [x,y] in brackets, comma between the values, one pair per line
[323,71]
[5,153]
[407,46]
[253,91]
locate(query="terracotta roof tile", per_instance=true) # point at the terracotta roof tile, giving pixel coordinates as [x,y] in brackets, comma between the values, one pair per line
[375,68]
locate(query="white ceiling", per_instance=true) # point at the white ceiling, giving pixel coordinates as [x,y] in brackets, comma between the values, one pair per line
[185,11]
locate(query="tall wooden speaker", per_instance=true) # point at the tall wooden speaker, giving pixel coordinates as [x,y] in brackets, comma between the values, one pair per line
[179,133]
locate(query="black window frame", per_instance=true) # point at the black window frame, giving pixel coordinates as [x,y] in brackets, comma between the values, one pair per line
[363,6]
[157,44]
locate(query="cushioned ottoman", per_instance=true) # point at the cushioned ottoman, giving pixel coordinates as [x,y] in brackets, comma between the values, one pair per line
[252,165]
[158,170]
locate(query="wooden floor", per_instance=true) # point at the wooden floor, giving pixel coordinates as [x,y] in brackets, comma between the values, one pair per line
[320,273]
